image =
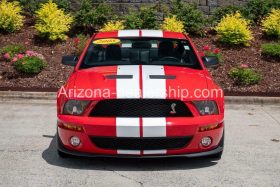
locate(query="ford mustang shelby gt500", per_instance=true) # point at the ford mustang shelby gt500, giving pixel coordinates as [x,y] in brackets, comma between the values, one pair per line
[140,93]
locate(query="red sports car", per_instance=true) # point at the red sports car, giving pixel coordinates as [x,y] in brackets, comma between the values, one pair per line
[140,93]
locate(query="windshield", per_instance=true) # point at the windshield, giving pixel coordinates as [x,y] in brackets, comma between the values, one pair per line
[140,51]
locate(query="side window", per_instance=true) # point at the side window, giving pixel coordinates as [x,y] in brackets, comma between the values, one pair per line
[188,54]
[95,53]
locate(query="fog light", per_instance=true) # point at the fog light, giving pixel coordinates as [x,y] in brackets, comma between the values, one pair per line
[75,141]
[206,141]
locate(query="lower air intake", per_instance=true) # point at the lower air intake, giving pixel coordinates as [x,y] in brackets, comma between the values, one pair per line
[141,143]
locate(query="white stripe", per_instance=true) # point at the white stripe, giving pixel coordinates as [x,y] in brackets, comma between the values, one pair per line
[154,45]
[127,45]
[152,33]
[153,88]
[154,152]
[154,127]
[128,127]
[129,152]
[128,88]
[128,33]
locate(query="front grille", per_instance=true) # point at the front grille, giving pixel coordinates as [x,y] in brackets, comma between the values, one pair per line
[141,143]
[141,108]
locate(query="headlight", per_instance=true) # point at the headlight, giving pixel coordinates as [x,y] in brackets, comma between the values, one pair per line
[206,107]
[75,107]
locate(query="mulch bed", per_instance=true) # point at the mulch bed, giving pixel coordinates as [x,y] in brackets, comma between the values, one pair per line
[55,75]
[235,56]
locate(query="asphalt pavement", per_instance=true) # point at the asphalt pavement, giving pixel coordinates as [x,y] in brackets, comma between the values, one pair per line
[28,153]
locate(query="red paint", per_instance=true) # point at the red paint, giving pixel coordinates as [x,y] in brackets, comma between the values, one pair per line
[141,96]
[95,78]
[141,81]
[141,132]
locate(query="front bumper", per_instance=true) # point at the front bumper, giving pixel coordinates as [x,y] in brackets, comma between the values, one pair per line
[217,150]
[106,127]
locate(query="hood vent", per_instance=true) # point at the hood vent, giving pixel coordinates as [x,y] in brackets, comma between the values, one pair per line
[119,76]
[162,77]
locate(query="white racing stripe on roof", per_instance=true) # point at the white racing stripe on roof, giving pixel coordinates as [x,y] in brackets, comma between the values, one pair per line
[128,88]
[128,33]
[152,33]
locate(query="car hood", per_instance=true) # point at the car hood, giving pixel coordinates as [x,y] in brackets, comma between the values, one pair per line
[144,81]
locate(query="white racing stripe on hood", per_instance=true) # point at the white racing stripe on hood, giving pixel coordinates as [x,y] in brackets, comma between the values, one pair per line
[128,88]
[153,88]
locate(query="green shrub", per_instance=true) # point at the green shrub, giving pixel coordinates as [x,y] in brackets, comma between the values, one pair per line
[11,19]
[113,26]
[219,13]
[63,4]
[172,24]
[31,6]
[271,24]
[93,16]
[145,18]
[193,19]
[234,30]
[271,49]
[133,20]
[148,17]
[52,22]
[80,43]
[30,65]
[244,76]
[255,10]
[274,4]
[12,50]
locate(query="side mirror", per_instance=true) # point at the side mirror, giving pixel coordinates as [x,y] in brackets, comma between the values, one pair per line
[210,61]
[69,60]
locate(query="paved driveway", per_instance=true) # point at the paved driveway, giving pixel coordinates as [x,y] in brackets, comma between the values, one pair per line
[28,155]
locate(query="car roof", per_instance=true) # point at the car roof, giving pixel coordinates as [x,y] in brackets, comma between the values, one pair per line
[140,34]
